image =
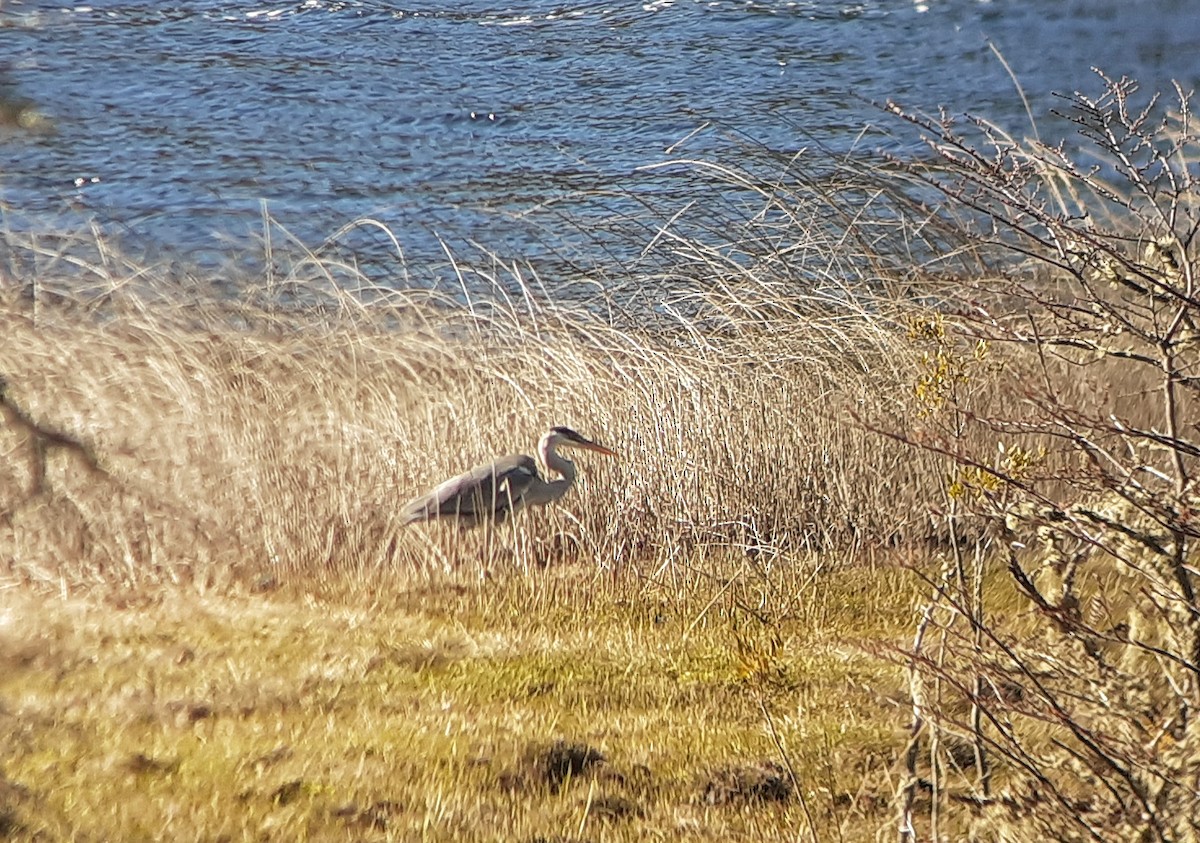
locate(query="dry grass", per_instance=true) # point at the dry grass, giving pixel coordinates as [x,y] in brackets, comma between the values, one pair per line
[258,440]
[442,714]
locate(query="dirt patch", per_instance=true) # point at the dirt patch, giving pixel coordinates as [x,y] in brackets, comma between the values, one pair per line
[765,781]
[12,797]
[288,792]
[616,795]
[553,766]
[144,764]
[374,816]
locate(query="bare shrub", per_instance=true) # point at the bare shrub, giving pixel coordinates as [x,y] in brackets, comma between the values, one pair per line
[1072,681]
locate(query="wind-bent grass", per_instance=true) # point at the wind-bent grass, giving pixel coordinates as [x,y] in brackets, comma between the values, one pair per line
[273,440]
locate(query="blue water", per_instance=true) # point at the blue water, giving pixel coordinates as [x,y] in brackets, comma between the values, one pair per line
[511,126]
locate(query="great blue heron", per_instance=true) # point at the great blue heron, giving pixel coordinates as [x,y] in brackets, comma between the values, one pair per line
[494,490]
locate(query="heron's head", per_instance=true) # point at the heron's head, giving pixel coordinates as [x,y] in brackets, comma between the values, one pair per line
[564,437]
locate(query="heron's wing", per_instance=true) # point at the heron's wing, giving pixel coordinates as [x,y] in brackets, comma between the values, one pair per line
[488,491]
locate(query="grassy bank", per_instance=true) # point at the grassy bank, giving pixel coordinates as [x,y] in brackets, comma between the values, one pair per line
[448,714]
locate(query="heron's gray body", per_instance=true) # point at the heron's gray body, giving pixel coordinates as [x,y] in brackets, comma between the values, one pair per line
[495,490]
[491,491]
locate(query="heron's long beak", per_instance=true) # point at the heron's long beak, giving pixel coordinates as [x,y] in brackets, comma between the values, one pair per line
[597,447]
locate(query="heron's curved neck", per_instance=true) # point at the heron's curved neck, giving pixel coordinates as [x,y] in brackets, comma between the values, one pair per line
[554,461]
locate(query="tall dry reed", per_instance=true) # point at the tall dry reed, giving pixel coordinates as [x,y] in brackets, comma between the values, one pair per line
[275,427]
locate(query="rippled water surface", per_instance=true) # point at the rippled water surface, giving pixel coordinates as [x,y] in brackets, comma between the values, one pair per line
[175,122]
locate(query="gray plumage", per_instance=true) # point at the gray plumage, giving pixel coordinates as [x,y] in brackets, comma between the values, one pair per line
[494,490]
